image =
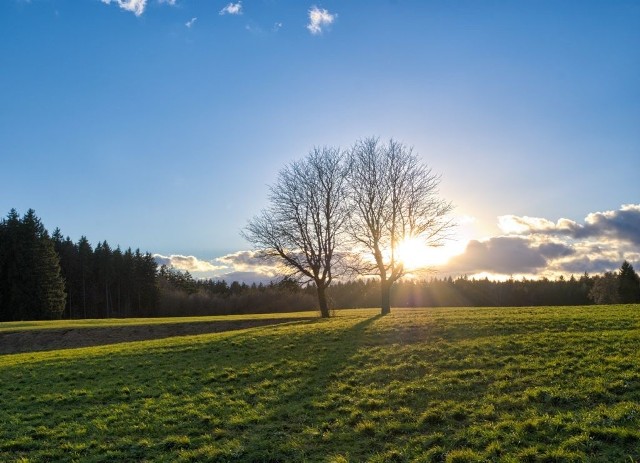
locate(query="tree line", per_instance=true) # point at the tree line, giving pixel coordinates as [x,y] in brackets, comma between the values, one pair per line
[188,296]
[103,282]
[46,276]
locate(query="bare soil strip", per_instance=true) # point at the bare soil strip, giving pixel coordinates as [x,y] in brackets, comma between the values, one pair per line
[54,339]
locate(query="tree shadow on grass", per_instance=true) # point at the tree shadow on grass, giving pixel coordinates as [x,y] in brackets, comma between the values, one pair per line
[303,419]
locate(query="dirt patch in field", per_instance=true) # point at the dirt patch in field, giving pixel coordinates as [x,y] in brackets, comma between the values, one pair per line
[53,339]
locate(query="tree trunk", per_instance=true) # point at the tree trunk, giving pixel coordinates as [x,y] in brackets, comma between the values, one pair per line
[322,301]
[385,293]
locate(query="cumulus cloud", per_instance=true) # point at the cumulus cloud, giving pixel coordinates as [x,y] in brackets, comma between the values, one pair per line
[250,261]
[243,266]
[319,19]
[191,22]
[529,246]
[555,250]
[622,224]
[232,8]
[135,6]
[586,264]
[188,263]
[502,255]
[536,246]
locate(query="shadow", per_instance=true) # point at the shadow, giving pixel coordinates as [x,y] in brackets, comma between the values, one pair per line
[306,406]
[72,338]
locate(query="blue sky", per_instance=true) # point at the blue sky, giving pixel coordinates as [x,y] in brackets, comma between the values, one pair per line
[131,121]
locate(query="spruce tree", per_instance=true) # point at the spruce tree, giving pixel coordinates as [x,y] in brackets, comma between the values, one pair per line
[628,284]
[9,252]
[31,284]
[85,261]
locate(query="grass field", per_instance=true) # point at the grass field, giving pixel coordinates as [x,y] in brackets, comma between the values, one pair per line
[550,384]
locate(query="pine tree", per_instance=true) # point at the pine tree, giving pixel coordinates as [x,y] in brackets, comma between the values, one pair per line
[85,260]
[104,276]
[628,284]
[9,252]
[31,284]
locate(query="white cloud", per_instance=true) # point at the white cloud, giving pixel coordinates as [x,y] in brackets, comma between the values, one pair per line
[243,266]
[535,246]
[622,224]
[277,27]
[250,261]
[188,263]
[318,19]
[135,6]
[532,247]
[191,22]
[232,8]
[517,225]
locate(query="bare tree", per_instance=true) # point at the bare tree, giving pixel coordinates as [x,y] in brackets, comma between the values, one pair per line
[303,224]
[394,198]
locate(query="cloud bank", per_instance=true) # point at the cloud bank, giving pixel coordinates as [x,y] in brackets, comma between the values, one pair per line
[620,225]
[186,263]
[532,247]
[535,246]
[319,19]
[244,266]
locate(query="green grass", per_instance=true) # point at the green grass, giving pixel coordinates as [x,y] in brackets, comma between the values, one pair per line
[454,385]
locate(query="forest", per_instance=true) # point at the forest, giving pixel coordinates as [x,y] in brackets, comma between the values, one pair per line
[48,276]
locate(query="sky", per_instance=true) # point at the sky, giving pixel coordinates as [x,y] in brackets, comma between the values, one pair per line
[159,124]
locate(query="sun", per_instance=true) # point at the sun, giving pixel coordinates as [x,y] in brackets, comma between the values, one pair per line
[415,254]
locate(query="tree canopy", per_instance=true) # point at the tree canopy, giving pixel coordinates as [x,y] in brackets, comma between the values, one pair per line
[303,225]
[394,198]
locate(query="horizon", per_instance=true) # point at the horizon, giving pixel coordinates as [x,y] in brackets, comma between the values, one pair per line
[160,124]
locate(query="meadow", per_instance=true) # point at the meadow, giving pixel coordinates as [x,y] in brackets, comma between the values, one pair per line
[543,384]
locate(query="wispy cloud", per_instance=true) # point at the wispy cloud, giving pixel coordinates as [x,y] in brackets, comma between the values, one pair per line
[135,6]
[168,2]
[232,8]
[191,22]
[276,27]
[319,19]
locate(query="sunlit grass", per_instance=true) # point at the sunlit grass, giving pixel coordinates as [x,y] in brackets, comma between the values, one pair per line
[454,385]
